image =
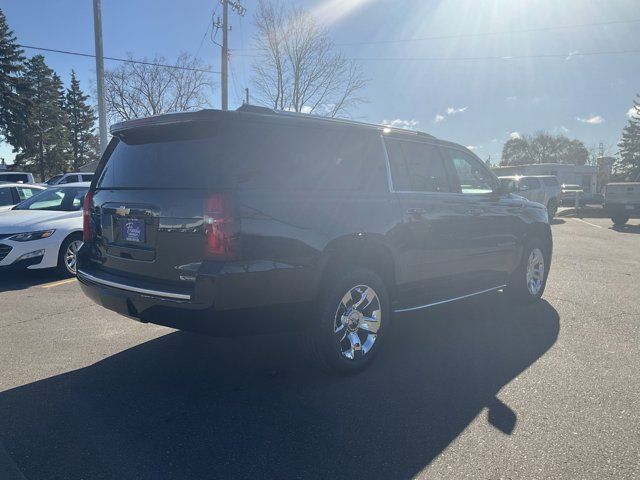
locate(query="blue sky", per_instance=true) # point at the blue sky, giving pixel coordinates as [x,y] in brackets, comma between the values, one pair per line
[438,85]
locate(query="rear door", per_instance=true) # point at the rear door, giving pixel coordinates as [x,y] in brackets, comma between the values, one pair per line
[428,247]
[532,189]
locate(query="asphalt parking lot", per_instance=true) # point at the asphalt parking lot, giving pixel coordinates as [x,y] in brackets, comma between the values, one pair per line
[480,389]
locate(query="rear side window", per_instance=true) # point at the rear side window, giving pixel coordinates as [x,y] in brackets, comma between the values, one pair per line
[87,177]
[246,156]
[530,183]
[6,197]
[26,192]
[416,167]
[551,182]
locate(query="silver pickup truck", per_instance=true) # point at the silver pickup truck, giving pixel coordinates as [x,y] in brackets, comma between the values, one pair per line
[622,201]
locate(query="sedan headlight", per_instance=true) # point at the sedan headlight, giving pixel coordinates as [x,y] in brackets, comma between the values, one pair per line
[28,236]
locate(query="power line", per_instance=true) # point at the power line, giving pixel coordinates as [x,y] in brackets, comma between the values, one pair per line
[116,59]
[503,57]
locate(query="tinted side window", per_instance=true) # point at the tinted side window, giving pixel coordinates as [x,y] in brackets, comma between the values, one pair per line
[71,179]
[471,175]
[6,197]
[530,183]
[416,167]
[551,181]
[87,177]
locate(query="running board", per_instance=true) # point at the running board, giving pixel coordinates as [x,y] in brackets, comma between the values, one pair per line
[411,309]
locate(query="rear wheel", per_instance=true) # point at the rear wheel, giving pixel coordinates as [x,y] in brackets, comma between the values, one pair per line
[620,220]
[68,255]
[352,322]
[528,282]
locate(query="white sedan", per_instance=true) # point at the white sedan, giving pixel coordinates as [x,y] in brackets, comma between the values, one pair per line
[44,231]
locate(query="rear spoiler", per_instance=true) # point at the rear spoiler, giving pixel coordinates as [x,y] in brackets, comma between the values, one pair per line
[166,119]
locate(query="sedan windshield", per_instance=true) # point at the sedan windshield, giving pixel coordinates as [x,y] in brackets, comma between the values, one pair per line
[61,199]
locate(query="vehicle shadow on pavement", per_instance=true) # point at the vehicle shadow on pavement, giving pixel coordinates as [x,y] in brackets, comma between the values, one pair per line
[23,279]
[626,228]
[187,406]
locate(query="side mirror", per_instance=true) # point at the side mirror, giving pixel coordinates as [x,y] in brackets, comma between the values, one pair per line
[502,190]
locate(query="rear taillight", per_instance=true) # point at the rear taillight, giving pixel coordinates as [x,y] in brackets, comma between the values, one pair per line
[87,230]
[220,227]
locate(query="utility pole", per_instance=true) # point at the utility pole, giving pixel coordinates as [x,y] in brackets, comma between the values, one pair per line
[246,91]
[224,74]
[102,115]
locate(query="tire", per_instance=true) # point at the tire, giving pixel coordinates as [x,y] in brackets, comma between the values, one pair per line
[527,283]
[619,220]
[340,330]
[65,250]
[552,209]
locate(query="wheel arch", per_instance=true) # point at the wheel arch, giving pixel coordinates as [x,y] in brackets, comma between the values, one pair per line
[367,251]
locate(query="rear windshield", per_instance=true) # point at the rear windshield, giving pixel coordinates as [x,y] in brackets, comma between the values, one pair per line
[14,177]
[550,181]
[246,156]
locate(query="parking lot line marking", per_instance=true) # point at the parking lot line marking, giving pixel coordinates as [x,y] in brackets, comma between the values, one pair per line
[58,283]
[588,223]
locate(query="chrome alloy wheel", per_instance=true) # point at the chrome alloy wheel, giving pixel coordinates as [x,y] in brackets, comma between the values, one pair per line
[71,256]
[535,271]
[357,321]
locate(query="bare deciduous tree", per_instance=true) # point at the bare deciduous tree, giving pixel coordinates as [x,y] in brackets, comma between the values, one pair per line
[298,68]
[134,90]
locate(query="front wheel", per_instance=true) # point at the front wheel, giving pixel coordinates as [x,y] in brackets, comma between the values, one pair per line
[529,280]
[68,255]
[352,321]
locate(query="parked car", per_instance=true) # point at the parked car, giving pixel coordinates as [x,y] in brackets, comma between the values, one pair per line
[238,221]
[622,201]
[63,178]
[544,189]
[17,177]
[44,231]
[13,193]
[568,195]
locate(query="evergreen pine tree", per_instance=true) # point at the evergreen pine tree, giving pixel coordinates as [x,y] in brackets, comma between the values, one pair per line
[80,124]
[12,107]
[46,147]
[629,163]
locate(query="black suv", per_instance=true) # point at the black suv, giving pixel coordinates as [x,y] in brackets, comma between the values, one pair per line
[254,220]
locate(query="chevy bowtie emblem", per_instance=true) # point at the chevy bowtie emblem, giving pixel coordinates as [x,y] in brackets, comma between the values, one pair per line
[123,211]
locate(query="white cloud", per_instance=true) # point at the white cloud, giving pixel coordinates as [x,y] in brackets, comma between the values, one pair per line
[399,123]
[474,147]
[438,118]
[591,119]
[633,113]
[515,135]
[512,98]
[561,129]
[453,110]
